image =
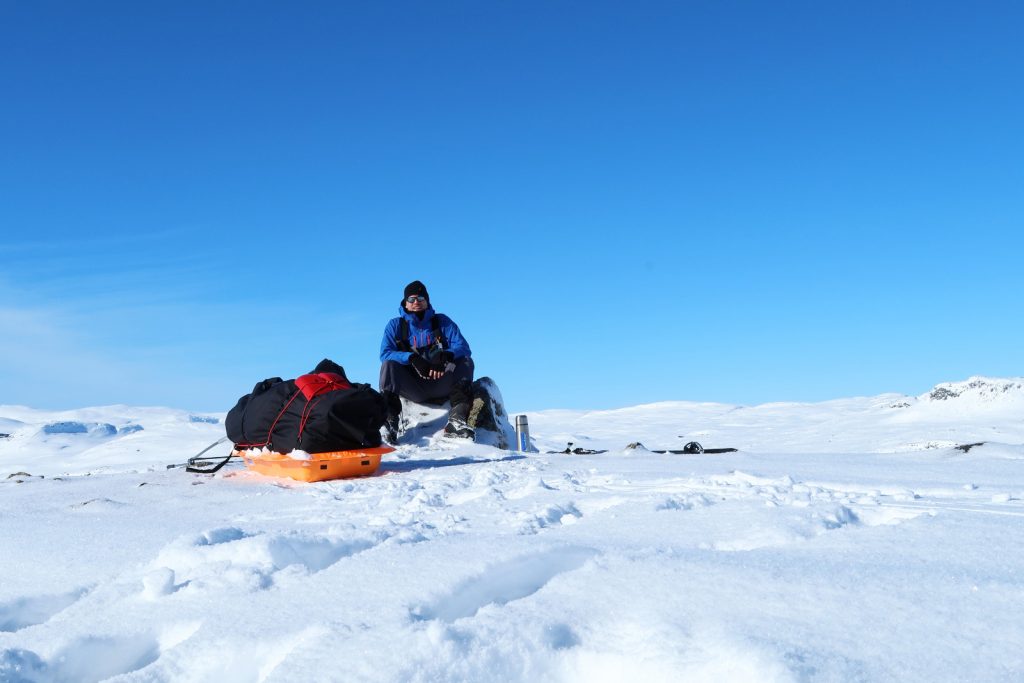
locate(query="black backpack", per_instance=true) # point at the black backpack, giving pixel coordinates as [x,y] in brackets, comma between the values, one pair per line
[279,415]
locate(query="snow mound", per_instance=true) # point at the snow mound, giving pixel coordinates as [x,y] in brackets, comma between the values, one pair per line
[91,428]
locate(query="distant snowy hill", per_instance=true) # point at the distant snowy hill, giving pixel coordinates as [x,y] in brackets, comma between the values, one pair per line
[978,409]
[847,540]
[104,439]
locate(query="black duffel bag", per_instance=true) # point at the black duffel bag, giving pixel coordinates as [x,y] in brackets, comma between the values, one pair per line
[317,413]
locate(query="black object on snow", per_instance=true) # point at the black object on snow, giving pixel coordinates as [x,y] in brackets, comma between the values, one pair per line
[317,413]
[569,450]
[692,448]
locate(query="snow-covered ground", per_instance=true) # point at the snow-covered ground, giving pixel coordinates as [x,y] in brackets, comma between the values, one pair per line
[846,541]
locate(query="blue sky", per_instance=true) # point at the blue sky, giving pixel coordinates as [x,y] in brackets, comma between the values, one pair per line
[619,203]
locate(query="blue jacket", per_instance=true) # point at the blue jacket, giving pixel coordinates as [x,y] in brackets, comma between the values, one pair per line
[421,335]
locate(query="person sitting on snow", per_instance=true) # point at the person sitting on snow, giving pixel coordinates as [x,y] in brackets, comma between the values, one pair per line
[425,359]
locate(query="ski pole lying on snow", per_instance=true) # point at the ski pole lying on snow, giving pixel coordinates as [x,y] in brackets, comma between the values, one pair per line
[200,465]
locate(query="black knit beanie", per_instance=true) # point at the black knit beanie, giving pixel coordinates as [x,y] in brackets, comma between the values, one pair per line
[416,288]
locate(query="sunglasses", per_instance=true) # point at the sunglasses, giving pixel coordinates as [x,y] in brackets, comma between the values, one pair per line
[414,299]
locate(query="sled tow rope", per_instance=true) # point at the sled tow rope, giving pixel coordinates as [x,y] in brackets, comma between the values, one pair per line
[206,464]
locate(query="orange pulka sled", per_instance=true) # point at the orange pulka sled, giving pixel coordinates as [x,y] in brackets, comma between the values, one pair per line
[320,467]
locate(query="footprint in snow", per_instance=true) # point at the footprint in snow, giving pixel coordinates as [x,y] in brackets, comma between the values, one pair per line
[503,583]
[827,507]
[35,610]
[549,516]
[781,526]
[86,660]
[230,557]
[223,535]
[560,636]
[683,502]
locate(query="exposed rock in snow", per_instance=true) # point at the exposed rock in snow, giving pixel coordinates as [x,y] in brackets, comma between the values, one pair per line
[979,388]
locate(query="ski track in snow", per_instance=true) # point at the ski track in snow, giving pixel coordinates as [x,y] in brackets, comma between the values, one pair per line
[461,562]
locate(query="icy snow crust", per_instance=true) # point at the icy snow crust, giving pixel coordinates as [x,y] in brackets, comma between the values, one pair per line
[846,541]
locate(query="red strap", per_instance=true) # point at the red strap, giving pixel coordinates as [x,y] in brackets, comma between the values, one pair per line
[307,411]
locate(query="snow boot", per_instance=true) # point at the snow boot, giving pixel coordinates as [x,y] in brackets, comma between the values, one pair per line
[458,415]
[393,420]
[458,430]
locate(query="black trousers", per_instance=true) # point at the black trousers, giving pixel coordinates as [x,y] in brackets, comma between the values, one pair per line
[403,380]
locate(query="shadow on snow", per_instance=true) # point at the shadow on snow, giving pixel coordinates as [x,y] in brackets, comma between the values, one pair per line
[410,465]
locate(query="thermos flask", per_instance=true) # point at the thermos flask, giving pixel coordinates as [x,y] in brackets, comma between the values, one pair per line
[522,434]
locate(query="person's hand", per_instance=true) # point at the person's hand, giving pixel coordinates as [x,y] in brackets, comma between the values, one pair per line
[438,368]
[444,362]
[422,367]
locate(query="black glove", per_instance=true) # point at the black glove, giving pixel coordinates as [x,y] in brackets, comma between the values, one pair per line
[420,365]
[444,362]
